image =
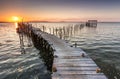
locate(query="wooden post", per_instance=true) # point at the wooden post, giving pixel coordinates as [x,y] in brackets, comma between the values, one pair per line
[43,28]
[21,40]
[50,30]
[75,44]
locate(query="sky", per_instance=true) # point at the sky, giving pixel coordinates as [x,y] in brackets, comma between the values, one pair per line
[60,10]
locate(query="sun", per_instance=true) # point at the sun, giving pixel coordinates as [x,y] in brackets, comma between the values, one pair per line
[15,19]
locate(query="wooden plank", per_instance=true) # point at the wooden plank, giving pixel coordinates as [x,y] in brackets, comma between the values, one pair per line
[74,65]
[70,52]
[78,76]
[80,59]
[82,68]
[70,56]
[78,72]
[76,62]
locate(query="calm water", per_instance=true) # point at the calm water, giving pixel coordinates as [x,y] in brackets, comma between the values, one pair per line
[13,64]
[101,43]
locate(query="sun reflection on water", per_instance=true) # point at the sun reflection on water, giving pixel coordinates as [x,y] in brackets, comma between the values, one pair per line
[16,25]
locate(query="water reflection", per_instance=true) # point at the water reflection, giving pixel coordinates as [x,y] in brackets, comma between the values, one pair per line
[16,25]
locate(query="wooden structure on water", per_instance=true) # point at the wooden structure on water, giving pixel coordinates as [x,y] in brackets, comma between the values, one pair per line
[64,61]
[91,23]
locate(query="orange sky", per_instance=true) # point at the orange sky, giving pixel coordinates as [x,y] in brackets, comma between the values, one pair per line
[60,10]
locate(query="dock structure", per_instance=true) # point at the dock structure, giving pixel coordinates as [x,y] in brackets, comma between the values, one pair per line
[67,62]
[91,23]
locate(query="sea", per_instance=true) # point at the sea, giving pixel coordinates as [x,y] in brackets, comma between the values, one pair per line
[101,43]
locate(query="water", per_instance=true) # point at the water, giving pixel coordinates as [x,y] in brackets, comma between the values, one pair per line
[101,43]
[13,64]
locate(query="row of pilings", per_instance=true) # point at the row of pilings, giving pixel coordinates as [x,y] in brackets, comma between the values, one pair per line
[45,48]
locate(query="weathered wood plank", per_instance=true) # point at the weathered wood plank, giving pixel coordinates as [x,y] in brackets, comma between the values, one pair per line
[78,76]
[78,59]
[71,57]
[75,62]
[82,68]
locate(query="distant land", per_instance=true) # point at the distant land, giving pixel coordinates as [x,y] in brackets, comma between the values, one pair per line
[60,22]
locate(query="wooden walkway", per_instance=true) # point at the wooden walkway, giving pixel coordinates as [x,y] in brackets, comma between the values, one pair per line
[69,62]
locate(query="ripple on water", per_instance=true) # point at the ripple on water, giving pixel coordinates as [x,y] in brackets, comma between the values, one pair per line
[27,66]
[13,64]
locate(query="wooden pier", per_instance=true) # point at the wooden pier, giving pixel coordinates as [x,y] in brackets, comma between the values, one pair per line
[68,62]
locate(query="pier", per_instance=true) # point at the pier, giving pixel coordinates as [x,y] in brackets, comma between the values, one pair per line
[63,60]
[91,23]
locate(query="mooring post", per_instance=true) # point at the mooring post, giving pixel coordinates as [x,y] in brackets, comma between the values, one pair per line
[50,30]
[43,28]
[75,44]
[56,31]
[53,31]
[20,32]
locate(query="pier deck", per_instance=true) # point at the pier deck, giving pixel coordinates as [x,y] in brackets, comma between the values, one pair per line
[69,62]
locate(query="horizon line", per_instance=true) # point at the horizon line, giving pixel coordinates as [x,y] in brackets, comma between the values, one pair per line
[56,21]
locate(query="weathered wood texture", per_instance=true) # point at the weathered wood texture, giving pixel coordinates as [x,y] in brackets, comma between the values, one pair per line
[70,62]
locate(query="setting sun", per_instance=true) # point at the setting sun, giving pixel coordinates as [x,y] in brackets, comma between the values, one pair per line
[15,19]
